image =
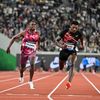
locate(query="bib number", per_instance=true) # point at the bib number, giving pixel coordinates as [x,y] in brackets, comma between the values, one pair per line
[70,46]
[30,45]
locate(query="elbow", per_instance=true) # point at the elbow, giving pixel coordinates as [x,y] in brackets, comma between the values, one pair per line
[14,38]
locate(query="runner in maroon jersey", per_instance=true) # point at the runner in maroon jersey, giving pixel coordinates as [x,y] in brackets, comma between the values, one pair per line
[30,43]
[68,41]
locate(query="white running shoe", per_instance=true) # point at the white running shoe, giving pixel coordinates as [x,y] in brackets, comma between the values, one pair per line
[21,79]
[31,85]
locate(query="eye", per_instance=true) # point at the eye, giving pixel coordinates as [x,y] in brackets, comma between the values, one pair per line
[33,24]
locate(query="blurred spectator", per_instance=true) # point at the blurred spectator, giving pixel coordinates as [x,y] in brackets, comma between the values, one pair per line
[97,65]
[84,62]
[42,65]
[52,16]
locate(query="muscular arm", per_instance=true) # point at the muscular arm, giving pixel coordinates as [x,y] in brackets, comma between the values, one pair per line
[58,41]
[21,34]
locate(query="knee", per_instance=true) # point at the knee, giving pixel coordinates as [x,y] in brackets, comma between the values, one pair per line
[61,67]
[32,66]
[22,68]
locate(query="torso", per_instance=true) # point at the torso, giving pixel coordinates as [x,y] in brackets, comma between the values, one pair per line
[29,42]
[70,39]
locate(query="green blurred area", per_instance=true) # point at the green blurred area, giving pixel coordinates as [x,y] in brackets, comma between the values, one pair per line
[7,61]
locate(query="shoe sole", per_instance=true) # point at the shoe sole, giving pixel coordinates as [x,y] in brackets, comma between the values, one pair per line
[32,88]
[67,87]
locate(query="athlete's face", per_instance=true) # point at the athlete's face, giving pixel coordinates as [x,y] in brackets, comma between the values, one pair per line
[32,26]
[74,28]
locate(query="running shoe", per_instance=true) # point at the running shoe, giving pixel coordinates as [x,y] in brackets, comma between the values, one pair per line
[68,85]
[21,79]
[31,85]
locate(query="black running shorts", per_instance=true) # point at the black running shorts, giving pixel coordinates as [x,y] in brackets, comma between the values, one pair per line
[65,53]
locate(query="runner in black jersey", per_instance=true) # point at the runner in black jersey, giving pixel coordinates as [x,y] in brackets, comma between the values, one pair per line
[68,41]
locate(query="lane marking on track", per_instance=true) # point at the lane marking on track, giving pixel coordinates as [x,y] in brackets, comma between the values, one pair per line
[10,79]
[27,83]
[77,95]
[49,95]
[91,83]
[36,94]
[24,97]
[72,95]
[21,94]
[16,94]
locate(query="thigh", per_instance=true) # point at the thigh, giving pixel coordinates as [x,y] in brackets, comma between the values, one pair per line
[31,58]
[23,60]
[64,54]
[72,58]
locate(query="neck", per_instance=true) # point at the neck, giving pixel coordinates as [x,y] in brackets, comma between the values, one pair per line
[31,31]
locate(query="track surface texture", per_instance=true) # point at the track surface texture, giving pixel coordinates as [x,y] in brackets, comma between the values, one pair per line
[49,86]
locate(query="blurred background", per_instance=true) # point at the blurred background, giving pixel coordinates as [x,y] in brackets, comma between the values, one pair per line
[52,16]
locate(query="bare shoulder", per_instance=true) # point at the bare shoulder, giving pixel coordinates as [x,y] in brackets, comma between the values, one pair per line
[22,33]
[37,31]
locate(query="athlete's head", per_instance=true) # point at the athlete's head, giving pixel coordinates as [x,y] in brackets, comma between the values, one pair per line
[74,27]
[32,25]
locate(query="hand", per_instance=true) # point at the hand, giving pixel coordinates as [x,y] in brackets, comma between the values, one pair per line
[81,47]
[8,50]
[35,47]
[64,46]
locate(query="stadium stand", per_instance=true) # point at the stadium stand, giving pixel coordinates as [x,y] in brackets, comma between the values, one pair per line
[52,16]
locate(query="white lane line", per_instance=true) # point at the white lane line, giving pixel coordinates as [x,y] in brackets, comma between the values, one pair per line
[49,95]
[21,94]
[16,94]
[76,95]
[26,83]
[91,83]
[10,79]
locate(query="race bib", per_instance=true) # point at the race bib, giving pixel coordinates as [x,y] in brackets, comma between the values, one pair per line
[70,46]
[30,45]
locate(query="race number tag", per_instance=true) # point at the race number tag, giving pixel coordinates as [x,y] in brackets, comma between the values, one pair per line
[70,46]
[30,45]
